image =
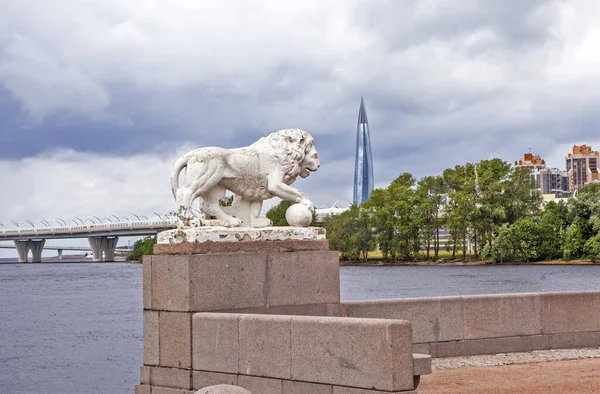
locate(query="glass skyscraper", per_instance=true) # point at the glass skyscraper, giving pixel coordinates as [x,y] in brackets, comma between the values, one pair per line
[363,166]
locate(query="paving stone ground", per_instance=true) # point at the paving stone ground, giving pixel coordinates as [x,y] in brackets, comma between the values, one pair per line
[516,373]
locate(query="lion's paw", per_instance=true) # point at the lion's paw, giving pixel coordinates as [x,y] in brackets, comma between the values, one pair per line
[308,204]
[188,221]
[260,222]
[233,222]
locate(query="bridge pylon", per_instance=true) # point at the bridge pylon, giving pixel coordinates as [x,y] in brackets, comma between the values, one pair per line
[103,248]
[36,247]
[22,250]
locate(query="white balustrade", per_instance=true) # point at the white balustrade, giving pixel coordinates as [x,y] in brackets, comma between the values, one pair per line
[87,226]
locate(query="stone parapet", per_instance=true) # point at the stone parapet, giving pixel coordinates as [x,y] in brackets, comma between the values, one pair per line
[281,354]
[433,318]
[501,315]
[488,324]
[568,312]
[362,353]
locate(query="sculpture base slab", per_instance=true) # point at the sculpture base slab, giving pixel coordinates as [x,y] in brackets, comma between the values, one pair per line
[241,247]
[239,234]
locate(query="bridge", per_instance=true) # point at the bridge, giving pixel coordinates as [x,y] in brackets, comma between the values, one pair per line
[102,233]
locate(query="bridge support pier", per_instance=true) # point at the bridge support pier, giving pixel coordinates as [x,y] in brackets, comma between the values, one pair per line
[96,245]
[60,251]
[109,248]
[36,247]
[103,248]
[22,250]
[36,250]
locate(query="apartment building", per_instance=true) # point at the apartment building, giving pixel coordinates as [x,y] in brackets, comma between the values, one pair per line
[582,166]
[550,180]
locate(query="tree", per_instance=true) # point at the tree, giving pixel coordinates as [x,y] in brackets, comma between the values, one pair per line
[502,248]
[429,195]
[338,235]
[553,223]
[555,215]
[591,249]
[142,247]
[517,242]
[363,239]
[527,240]
[574,242]
[589,193]
[581,236]
[382,221]
[587,206]
[520,195]
[394,217]
[490,201]
[351,234]
[461,206]
[226,201]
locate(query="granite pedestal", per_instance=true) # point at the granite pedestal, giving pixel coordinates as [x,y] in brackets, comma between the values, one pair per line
[264,315]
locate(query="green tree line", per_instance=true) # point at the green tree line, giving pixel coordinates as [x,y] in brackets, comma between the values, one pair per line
[141,247]
[490,209]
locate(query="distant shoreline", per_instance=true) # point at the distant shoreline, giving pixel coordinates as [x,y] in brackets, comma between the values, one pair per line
[377,263]
[65,260]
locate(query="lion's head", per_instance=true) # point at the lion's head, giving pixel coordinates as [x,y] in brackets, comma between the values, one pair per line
[294,150]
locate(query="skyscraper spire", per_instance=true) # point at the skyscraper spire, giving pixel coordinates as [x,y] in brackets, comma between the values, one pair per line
[362,112]
[363,166]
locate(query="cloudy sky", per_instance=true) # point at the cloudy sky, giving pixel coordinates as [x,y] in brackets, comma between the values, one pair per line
[99,97]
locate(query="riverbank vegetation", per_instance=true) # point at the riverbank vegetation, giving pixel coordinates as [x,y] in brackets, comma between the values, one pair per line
[141,247]
[489,210]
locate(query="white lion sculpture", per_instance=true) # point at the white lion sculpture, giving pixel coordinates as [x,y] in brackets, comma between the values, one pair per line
[253,173]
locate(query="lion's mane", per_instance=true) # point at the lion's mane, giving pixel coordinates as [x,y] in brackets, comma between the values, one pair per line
[290,147]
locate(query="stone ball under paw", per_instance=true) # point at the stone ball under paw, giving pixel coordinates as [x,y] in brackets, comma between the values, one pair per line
[298,215]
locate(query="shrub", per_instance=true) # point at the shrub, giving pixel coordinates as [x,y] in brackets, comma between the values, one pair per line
[591,248]
[574,242]
[141,247]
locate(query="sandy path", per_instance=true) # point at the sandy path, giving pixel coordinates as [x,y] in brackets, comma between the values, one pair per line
[567,376]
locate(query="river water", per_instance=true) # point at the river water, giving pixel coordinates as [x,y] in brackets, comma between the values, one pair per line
[77,328]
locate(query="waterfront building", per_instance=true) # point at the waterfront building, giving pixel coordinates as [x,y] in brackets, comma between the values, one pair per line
[363,165]
[551,181]
[530,160]
[582,166]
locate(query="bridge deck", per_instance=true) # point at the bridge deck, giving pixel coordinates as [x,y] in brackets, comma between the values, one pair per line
[121,229]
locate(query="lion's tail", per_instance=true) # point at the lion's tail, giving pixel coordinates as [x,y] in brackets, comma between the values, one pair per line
[180,164]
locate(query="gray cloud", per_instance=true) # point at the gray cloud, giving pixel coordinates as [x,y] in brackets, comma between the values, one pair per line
[406,24]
